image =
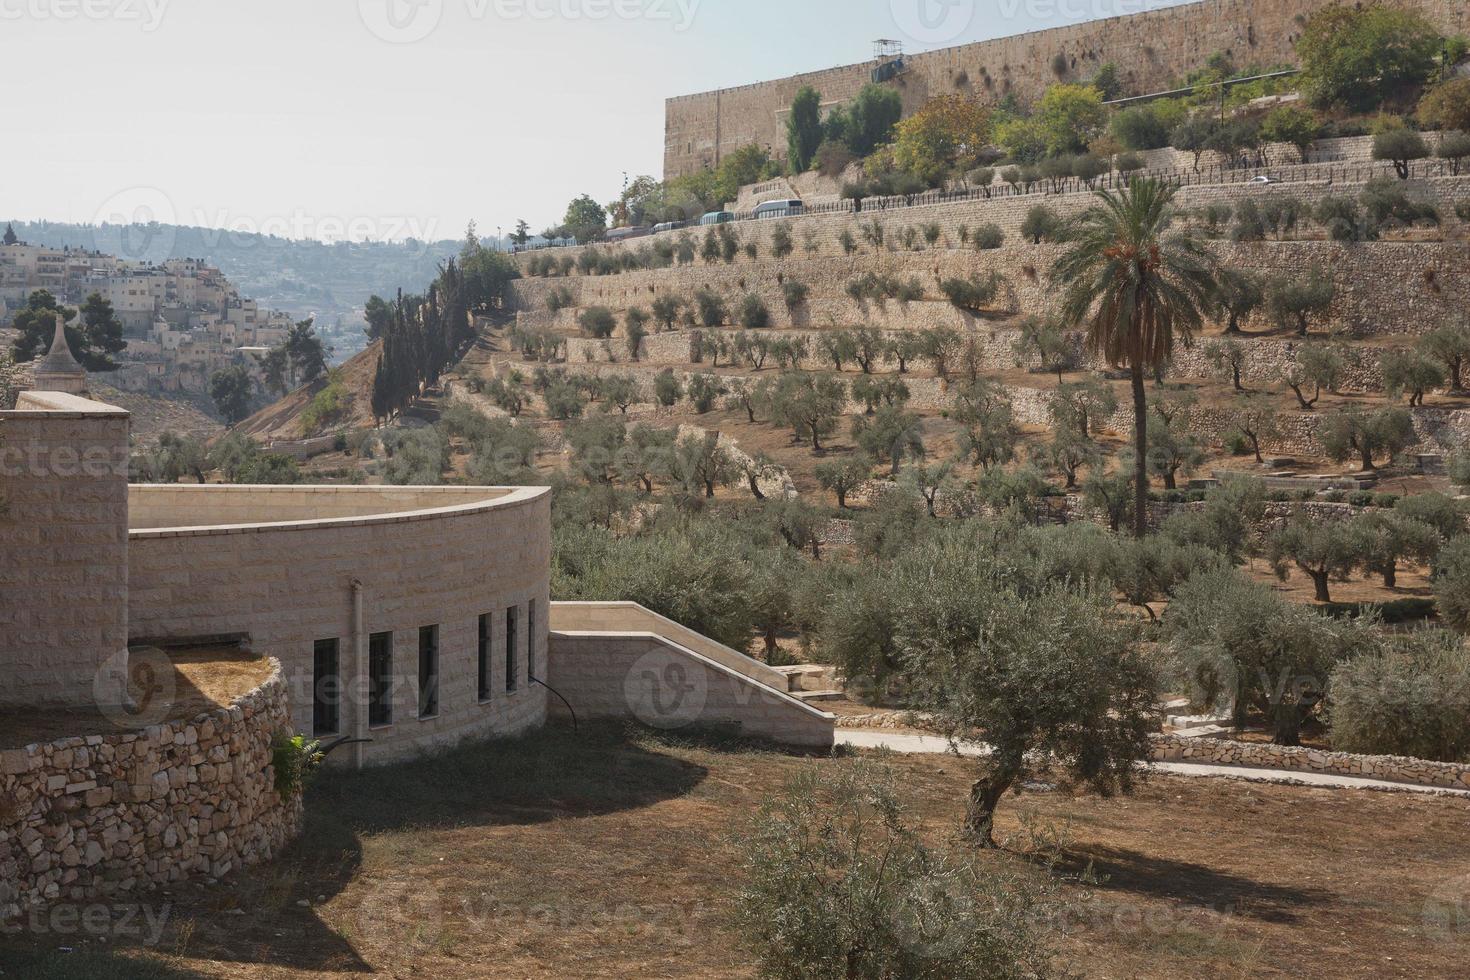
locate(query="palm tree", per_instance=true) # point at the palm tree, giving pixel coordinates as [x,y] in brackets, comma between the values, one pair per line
[1138,290]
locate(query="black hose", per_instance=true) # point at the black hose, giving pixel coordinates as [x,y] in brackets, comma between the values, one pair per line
[570,710]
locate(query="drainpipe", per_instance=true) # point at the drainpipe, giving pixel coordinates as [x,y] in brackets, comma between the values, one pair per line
[360,686]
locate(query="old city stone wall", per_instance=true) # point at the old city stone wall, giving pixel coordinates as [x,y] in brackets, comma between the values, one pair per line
[63,516]
[104,815]
[289,585]
[1151,49]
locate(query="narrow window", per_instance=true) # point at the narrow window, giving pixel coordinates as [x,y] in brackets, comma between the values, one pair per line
[531,640]
[485,658]
[511,680]
[428,671]
[380,679]
[326,689]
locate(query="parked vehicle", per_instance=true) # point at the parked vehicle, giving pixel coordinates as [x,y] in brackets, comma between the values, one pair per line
[779,209]
[1263,179]
[668,226]
[623,234]
[717,218]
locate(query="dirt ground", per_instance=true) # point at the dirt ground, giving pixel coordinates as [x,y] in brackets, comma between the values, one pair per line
[202,678]
[610,855]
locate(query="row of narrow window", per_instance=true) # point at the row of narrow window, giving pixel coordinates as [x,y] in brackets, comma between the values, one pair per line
[327,675]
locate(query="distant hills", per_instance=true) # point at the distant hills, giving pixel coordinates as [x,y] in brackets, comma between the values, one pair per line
[302,278]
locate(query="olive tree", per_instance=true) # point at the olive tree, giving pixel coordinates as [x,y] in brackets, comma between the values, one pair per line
[842,476]
[1387,538]
[1238,645]
[1368,435]
[839,886]
[1452,583]
[1323,549]
[1051,677]
[1409,698]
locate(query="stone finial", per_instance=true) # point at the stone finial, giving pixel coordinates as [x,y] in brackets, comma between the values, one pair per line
[59,370]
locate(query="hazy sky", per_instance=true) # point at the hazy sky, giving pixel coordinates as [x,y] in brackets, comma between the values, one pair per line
[390,118]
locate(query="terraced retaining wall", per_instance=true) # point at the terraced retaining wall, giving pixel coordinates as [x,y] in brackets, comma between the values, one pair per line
[1228,752]
[104,815]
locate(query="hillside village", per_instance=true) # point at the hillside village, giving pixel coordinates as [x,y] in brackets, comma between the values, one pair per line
[1045,463]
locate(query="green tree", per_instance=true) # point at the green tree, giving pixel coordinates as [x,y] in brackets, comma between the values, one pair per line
[945,135]
[232,389]
[868,122]
[1323,549]
[842,476]
[1044,339]
[1387,538]
[586,220]
[1409,698]
[803,129]
[93,340]
[1294,125]
[1052,674]
[1042,224]
[1410,372]
[1400,146]
[1450,346]
[1240,646]
[1071,116]
[1293,302]
[1318,364]
[1140,128]
[810,405]
[840,885]
[1447,106]
[988,429]
[1368,435]
[1138,289]
[1239,293]
[1358,57]
[598,322]
[1172,450]
[1452,583]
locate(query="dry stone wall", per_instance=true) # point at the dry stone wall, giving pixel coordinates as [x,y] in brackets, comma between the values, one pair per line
[1254,755]
[105,815]
[1383,288]
[1151,49]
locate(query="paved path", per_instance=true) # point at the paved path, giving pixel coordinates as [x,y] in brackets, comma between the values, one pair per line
[934,745]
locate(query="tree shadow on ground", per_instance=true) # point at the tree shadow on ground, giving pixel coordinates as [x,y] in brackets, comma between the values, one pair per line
[56,965]
[1199,885]
[268,914]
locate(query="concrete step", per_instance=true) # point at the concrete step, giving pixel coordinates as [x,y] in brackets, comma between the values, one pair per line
[819,695]
[809,677]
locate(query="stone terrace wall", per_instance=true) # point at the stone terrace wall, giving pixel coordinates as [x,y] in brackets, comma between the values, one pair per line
[1382,288]
[104,815]
[1151,49]
[1228,752]
[64,532]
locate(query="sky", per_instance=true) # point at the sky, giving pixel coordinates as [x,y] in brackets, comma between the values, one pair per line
[389,119]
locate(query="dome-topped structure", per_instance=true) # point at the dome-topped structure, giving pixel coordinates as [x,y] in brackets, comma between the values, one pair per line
[59,370]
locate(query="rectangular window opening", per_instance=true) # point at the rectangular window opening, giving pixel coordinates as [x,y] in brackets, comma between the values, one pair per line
[326,688]
[380,680]
[512,681]
[428,671]
[484,659]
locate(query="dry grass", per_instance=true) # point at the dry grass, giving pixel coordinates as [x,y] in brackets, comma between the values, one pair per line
[609,855]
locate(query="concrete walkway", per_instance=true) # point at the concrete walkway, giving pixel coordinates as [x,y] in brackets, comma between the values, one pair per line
[934,745]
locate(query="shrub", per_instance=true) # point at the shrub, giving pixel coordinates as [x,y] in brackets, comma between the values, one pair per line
[971,294]
[781,242]
[1042,224]
[712,311]
[794,293]
[754,313]
[704,391]
[839,885]
[1411,699]
[988,236]
[598,321]
[1452,583]
[847,241]
[560,298]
